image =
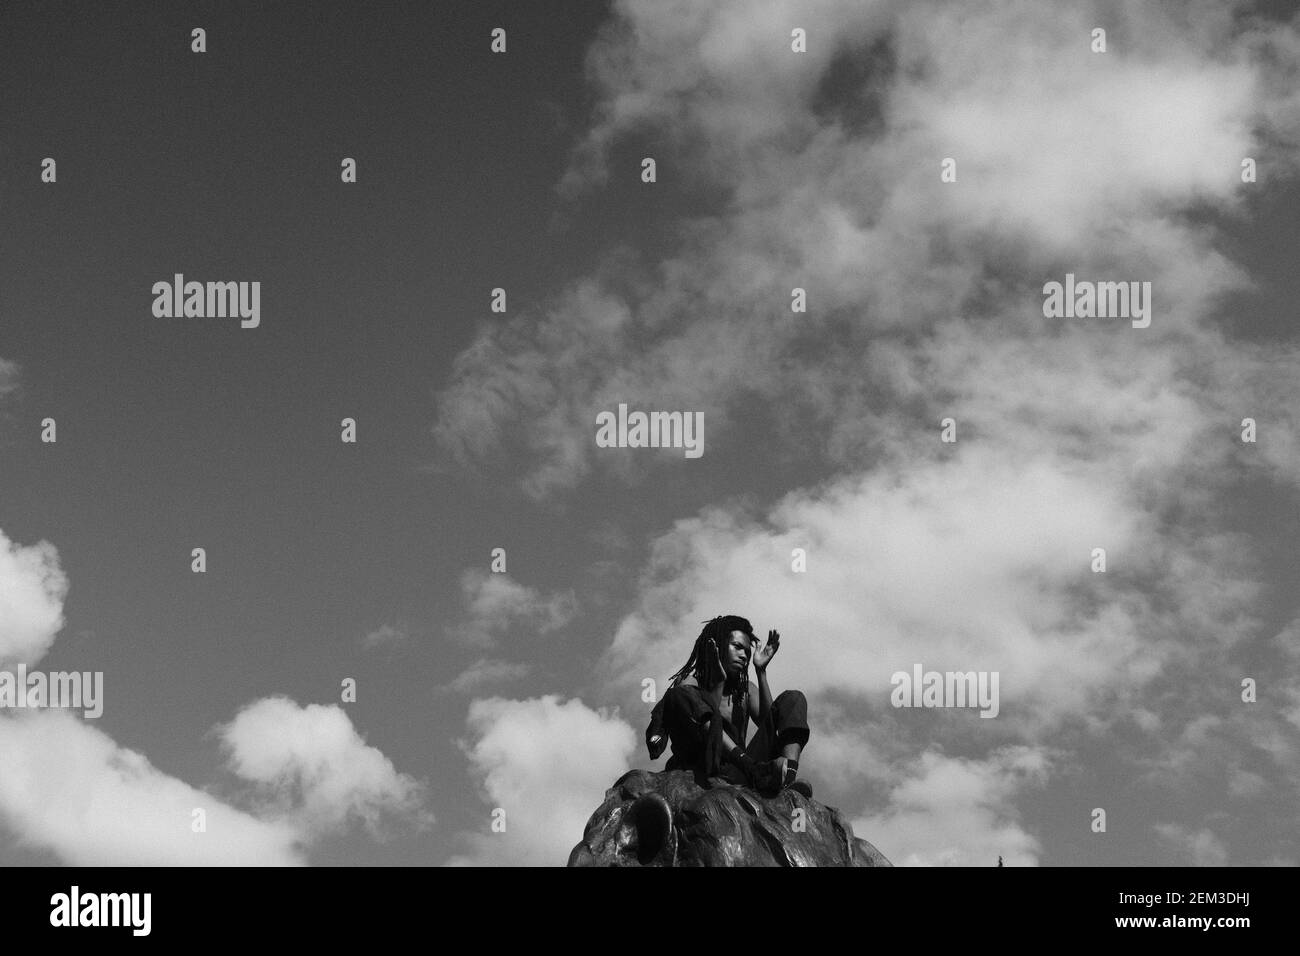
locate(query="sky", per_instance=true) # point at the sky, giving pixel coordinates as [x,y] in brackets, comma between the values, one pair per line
[781,162]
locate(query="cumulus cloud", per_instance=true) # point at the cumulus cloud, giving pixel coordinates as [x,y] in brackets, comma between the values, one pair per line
[495,603]
[547,763]
[32,590]
[953,812]
[315,769]
[69,788]
[977,563]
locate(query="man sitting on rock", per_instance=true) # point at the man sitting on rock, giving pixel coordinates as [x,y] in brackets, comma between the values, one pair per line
[706,712]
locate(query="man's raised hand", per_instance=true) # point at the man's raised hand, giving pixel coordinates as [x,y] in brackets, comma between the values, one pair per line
[768,650]
[717,656]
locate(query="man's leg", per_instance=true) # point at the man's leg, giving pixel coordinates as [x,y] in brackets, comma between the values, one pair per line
[784,736]
[790,728]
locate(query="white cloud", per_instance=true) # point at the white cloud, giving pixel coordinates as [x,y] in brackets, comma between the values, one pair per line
[547,762]
[952,812]
[496,603]
[69,788]
[844,758]
[315,769]
[32,590]
[979,563]
[1068,160]
[485,671]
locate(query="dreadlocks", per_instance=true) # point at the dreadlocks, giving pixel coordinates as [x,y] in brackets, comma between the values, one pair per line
[704,663]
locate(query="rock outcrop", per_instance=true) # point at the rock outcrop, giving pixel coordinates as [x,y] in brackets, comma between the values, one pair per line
[667,819]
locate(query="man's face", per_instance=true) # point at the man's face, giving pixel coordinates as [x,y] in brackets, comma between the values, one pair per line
[736,653]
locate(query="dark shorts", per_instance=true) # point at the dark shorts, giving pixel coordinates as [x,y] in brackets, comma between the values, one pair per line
[788,725]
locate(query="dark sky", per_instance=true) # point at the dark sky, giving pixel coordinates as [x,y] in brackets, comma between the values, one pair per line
[180,433]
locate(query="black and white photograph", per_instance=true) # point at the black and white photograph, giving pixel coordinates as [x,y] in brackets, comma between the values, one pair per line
[650,433]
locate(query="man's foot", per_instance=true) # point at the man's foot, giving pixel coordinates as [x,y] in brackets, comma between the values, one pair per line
[789,767]
[789,770]
[763,775]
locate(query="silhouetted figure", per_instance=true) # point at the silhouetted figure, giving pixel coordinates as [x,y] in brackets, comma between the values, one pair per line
[706,712]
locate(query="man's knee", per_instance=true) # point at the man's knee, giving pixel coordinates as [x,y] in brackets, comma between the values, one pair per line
[792,703]
[790,713]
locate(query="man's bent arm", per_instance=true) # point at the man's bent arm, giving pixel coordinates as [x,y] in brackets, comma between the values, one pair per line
[764,696]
